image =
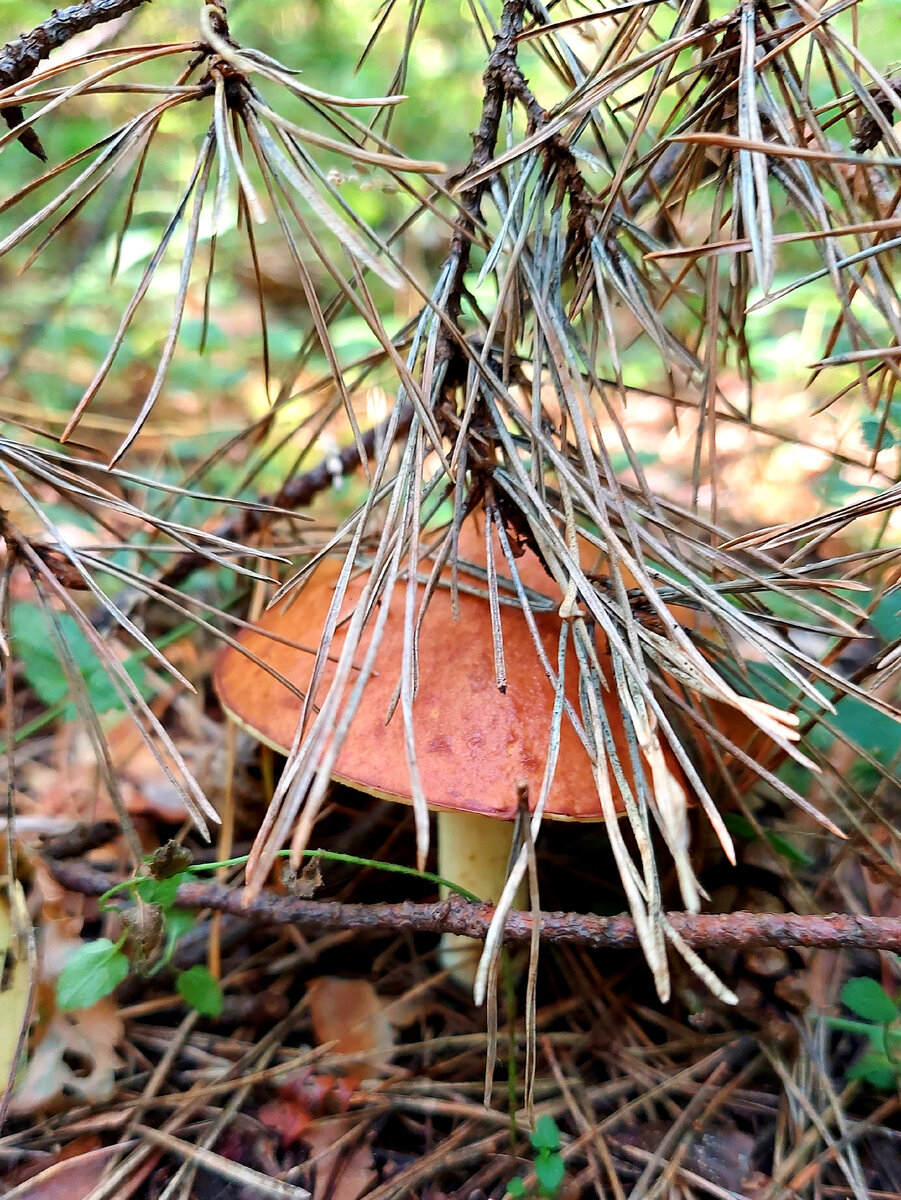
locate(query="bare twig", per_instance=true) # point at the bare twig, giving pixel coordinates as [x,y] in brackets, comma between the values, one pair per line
[78,840]
[707,931]
[295,493]
[496,84]
[20,56]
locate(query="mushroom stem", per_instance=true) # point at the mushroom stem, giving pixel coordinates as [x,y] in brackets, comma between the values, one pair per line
[474,853]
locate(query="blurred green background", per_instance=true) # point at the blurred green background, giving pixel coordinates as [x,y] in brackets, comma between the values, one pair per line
[325,41]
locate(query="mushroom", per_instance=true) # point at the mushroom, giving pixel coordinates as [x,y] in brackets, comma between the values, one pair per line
[476,746]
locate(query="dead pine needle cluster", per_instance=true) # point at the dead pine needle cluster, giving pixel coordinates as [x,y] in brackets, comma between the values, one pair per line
[448,497]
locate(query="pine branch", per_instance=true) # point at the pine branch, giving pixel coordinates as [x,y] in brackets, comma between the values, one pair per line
[295,493]
[501,65]
[21,56]
[705,931]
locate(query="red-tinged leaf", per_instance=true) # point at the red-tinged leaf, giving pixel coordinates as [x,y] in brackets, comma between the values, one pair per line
[75,1178]
[289,1119]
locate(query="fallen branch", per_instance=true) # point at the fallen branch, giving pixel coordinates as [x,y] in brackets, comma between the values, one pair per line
[737,931]
[706,931]
[298,492]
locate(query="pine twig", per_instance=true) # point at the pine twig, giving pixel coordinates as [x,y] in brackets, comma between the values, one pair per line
[296,493]
[705,931]
[495,83]
[21,56]
[734,931]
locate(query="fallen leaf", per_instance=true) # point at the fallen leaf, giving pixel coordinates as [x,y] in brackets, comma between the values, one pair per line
[74,1178]
[35,1164]
[723,1156]
[338,1172]
[90,1036]
[288,1118]
[70,784]
[148,789]
[350,1013]
[304,1098]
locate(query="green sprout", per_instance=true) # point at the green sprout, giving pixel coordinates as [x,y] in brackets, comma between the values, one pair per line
[548,1166]
[880,1024]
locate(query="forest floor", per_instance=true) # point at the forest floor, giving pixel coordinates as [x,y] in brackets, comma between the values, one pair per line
[346,1064]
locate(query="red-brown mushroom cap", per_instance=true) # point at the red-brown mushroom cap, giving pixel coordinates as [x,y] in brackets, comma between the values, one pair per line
[475,745]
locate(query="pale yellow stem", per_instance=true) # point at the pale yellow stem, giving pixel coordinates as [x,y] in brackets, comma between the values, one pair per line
[473,852]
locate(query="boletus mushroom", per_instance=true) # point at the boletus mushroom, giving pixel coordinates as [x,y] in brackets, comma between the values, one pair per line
[475,746]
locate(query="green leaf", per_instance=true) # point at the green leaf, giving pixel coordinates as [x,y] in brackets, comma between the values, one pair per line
[178,922]
[789,850]
[36,648]
[545,1135]
[161,891]
[835,490]
[90,974]
[104,697]
[870,428]
[739,826]
[886,616]
[875,732]
[549,1171]
[869,1000]
[874,1069]
[198,988]
[516,1187]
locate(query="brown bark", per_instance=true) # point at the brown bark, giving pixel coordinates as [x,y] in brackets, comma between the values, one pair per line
[705,931]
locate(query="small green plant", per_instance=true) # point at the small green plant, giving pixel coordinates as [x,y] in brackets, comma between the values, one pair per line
[44,670]
[548,1166]
[152,932]
[156,924]
[880,1024]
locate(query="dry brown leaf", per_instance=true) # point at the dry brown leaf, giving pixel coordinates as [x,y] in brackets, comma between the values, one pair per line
[288,1118]
[89,1037]
[350,1013]
[70,786]
[341,1173]
[36,1164]
[75,1177]
[303,1099]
